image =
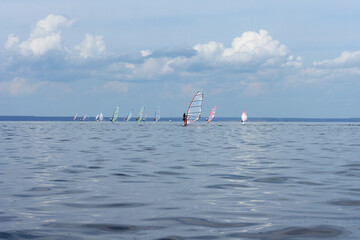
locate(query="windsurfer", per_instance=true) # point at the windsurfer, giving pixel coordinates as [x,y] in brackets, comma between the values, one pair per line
[184,119]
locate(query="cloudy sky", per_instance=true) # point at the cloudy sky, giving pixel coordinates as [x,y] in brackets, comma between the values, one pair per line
[272,58]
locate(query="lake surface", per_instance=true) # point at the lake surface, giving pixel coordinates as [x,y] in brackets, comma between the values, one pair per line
[224,180]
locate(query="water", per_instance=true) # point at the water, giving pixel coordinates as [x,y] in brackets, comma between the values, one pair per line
[225,180]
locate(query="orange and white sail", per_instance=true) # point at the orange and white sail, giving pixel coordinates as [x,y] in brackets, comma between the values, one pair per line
[75,117]
[211,114]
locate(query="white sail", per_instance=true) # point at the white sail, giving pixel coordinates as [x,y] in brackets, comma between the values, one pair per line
[97,117]
[244,116]
[129,116]
[84,117]
[75,117]
[101,117]
[195,107]
[157,115]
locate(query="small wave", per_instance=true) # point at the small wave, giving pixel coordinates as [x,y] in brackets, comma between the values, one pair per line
[203,222]
[232,176]
[103,227]
[227,186]
[104,205]
[272,180]
[167,173]
[294,233]
[346,203]
[121,175]
[29,234]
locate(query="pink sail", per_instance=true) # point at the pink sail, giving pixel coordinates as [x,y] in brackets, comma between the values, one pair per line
[244,116]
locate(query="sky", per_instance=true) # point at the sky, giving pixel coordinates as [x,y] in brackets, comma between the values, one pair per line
[271,58]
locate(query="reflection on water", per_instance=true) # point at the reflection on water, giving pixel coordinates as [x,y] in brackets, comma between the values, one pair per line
[225,180]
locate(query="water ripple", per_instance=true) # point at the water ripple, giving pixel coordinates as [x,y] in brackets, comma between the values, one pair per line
[295,233]
[104,205]
[203,222]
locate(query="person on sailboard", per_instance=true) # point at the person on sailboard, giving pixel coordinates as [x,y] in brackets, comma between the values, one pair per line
[137,119]
[184,119]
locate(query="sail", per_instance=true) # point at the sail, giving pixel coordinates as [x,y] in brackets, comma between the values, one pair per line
[101,117]
[115,114]
[195,107]
[141,114]
[145,116]
[244,116]
[212,114]
[75,117]
[157,115]
[129,116]
[97,117]
[84,117]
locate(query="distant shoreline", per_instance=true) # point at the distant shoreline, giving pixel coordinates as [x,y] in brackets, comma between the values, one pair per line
[178,119]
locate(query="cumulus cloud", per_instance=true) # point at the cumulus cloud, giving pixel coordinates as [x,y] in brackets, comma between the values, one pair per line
[45,36]
[346,59]
[250,48]
[120,87]
[145,53]
[249,52]
[91,47]
[12,40]
[20,86]
[41,45]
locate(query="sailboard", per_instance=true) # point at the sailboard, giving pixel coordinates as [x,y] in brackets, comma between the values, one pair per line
[75,117]
[101,117]
[84,117]
[195,107]
[141,114]
[128,116]
[97,117]
[157,115]
[211,114]
[115,114]
[244,117]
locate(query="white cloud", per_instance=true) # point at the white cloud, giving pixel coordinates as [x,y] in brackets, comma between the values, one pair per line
[20,86]
[48,25]
[252,51]
[293,62]
[145,53]
[12,40]
[120,87]
[91,47]
[41,45]
[45,36]
[251,47]
[346,59]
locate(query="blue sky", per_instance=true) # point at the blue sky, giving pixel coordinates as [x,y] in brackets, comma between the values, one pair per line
[270,58]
